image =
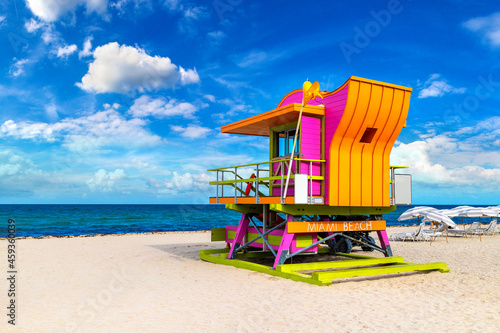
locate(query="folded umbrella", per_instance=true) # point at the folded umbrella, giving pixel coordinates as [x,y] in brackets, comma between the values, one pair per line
[416,212]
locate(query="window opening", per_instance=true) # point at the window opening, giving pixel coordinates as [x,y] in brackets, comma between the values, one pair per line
[368,135]
[285,143]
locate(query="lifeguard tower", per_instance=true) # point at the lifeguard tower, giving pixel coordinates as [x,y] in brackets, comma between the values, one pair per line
[324,189]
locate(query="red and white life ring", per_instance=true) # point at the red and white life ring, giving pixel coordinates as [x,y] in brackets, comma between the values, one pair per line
[249,186]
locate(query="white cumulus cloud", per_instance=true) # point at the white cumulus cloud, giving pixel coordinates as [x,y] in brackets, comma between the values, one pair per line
[435,86]
[66,50]
[33,25]
[105,181]
[191,131]
[188,76]
[160,107]
[469,156]
[419,156]
[216,36]
[124,69]
[52,10]
[488,27]
[13,164]
[87,48]
[86,134]
[209,97]
[17,68]
[185,183]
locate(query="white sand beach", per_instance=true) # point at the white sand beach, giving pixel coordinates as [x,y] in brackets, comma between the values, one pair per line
[157,283]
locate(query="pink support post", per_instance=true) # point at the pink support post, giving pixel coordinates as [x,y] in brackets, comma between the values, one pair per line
[285,246]
[240,233]
[331,241]
[384,242]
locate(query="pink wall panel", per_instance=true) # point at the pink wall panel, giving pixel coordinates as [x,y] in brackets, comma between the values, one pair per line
[294,98]
[310,147]
[334,109]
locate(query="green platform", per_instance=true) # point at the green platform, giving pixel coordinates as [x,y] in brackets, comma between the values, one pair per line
[323,273]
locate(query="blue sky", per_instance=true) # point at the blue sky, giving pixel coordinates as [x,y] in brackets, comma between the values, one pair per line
[122,101]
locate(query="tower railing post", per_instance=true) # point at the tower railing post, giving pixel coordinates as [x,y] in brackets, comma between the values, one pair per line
[257,186]
[217,188]
[281,183]
[311,182]
[235,185]
[264,225]
[393,187]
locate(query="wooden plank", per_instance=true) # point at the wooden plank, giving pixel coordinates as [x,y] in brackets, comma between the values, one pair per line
[289,200]
[335,226]
[338,264]
[323,209]
[214,258]
[219,256]
[393,269]
[218,234]
[263,179]
[246,200]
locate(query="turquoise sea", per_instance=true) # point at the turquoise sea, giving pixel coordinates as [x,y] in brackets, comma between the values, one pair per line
[66,220]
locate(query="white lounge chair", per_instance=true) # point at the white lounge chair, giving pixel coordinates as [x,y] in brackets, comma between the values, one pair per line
[491,229]
[417,235]
[440,231]
[442,228]
[469,231]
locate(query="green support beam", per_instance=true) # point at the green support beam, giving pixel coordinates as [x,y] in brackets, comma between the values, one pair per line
[393,269]
[338,264]
[256,209]
[329,210]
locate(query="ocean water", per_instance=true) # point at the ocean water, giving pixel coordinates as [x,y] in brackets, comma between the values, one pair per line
[67,220]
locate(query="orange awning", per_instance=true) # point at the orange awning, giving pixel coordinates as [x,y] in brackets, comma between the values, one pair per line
[260,124]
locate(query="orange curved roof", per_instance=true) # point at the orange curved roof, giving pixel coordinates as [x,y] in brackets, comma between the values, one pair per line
[374,115]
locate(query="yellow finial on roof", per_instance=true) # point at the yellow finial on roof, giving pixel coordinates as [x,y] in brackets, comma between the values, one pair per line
[310,91]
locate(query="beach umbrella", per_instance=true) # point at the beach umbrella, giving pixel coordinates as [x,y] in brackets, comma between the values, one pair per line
[415,212]
[479,212]
[494,208]
[450,212]
[441,218]
[457,211]
[462,207]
